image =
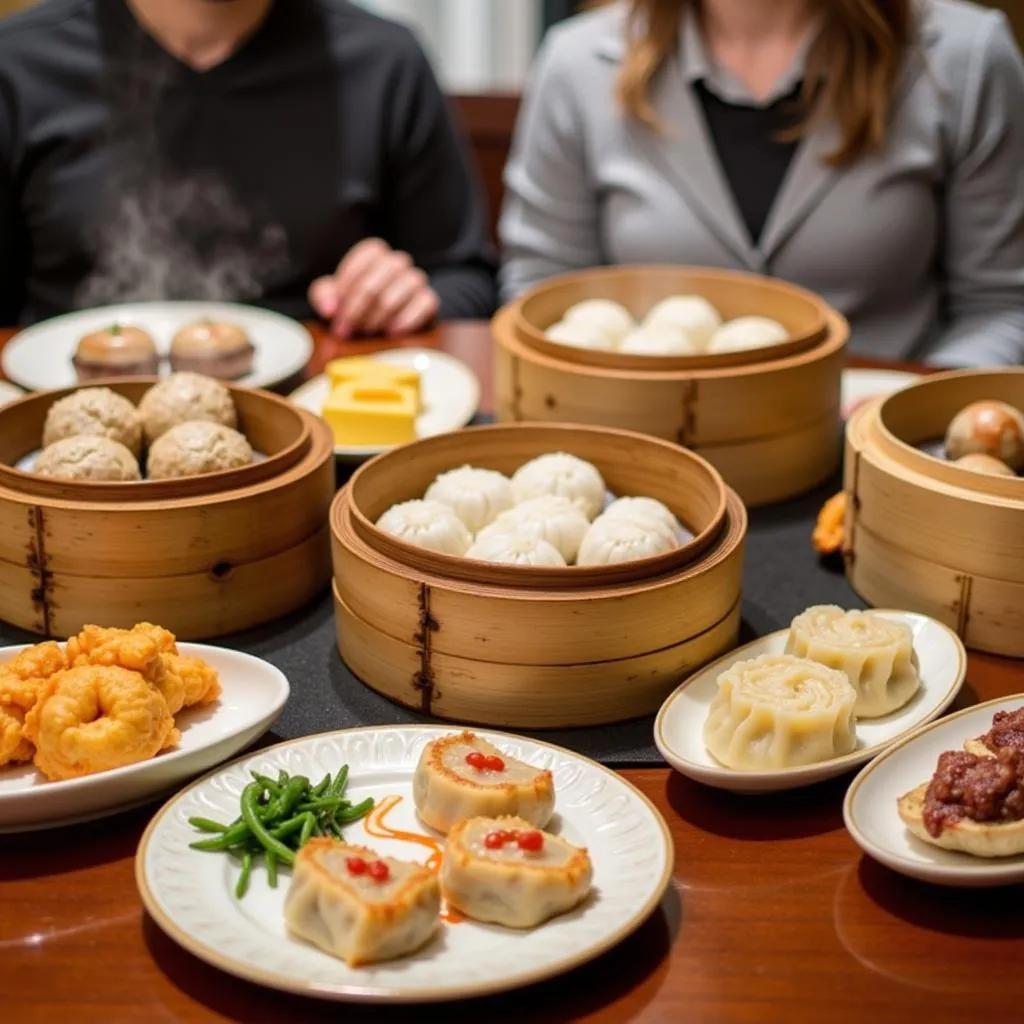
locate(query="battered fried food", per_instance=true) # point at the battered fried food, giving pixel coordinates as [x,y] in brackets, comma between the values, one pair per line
[201,682]
[22,680]
[92,718]
[14,748]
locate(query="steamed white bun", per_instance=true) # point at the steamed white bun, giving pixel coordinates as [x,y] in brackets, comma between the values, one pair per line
[691,314]
[611,317]
[562,475]
[747,332]
[510,547]
[427,524]
[658,341]
[551,518]
[582,335]
[610,541]
[476,496]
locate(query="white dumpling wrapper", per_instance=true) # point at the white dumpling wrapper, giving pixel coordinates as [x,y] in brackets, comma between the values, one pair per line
[747,332]
[614,540]
[659,340]
[876,654]
[550,517]
[582,335]
[693,315]
[611,317]
[777,711]
[476,496]
[427,524]
[510,547]
[564,476]
[641,509]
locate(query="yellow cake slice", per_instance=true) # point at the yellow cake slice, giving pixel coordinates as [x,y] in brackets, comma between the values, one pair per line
[377,413]
[365,368]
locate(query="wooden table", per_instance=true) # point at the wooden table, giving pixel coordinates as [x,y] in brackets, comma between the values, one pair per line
[773,915]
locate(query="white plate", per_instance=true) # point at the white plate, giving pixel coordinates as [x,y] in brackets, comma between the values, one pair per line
[870,806]
[861,385]
[679,727]
[8,392]
[254,692]
[39,357]
[450,390]
[190,894]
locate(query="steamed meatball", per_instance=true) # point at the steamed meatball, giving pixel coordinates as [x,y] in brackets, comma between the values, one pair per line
[88,458]
[988,428]
[197,447]
[94,412]
[184,397]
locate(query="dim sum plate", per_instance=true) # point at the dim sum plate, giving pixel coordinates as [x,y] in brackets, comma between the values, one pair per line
[191,896]
[679,727]
[9,393]
[39,357]
[861,385]
[874,823]
[253,695]
[449,389]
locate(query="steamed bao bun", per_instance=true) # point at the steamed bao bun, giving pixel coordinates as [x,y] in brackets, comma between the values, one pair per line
[476,496]
[689,315]
[94,412]
[550,518]
[564,476]
[182,398]
[747,332]
[427,524]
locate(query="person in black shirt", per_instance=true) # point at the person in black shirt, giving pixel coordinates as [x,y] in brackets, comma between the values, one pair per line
[233,150]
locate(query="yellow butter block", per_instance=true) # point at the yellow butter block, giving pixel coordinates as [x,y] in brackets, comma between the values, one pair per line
[362,368]
[366,412]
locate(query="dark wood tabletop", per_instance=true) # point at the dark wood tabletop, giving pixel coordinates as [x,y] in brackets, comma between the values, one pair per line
[773,914]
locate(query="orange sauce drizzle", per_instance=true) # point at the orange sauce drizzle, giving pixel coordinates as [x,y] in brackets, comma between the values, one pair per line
[376,826]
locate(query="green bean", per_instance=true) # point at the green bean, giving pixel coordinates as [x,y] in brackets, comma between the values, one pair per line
[234,835]
[206,825]
[289,827]
[282,778]
[271,869]
[267,783]
[326,803]
[294,791]
[249,797]
[243,879]
[337,787]
[320,788]
[351,814]
[335,829]
[307,830]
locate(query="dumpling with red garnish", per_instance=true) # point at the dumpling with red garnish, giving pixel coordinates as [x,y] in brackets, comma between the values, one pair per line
[505,871]
[463,776]
[358,906]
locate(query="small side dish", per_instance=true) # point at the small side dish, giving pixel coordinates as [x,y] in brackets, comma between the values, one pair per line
[372,402]
[116,351]
[214,348]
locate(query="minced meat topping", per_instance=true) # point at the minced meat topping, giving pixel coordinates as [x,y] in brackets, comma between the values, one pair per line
[988,789]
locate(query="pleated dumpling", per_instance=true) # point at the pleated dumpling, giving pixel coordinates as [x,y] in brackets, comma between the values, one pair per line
[643,510]
[747,332]
[691,314]
[427,524]
[658,341]
[550,517]
[582,335]
[613,540]
[609,317]
[562,475]
[476,496]
[510,547]
[777,711]
[876,654]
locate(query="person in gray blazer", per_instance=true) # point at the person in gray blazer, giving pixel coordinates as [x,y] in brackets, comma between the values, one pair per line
[871,150]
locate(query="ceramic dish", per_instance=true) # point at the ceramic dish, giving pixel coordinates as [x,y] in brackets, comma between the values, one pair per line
[9,393]
[254,692]
[39,357]
[450,390]
[678,729]
[860,386]
[872,818]
[190,894]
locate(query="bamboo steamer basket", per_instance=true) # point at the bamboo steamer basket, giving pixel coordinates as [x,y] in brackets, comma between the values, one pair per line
[201,563]
[924,534]
[514,650]
[771,425]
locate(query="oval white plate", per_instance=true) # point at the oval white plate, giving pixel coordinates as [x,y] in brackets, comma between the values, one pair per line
[862,385]
[869,809]
[8,392]
[39,357]
[254,692]
[450,390]
[190,894]
[679,727]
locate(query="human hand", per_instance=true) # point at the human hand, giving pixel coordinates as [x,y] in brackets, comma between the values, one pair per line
[375,290]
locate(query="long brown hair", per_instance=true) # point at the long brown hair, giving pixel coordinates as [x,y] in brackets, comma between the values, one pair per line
[852,69]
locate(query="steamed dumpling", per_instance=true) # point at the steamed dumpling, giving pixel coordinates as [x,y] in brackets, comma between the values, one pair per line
[747,332]
[476,496]
[689,314]
[582,335]
[610,317]
[609,541]
[551,518]
[513,548]
[563,475]
[642,510]
[427,524]
[659,340]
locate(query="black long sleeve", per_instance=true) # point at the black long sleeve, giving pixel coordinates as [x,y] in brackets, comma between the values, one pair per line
[12,245]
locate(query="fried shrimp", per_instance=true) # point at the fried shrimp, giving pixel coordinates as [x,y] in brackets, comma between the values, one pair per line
[145,648]
[22,680]
[200,681]
[14,748]
[92,718]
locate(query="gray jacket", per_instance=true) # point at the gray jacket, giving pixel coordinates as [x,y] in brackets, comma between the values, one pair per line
[921,246]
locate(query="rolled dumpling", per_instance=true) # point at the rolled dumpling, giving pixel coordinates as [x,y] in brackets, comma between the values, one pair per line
[476,496]
[875,653]
[608,316]
[564,476]
[582,335]
[551,518]
[610,541]
[510,547]
[778,711]
[693,315]
[427,524]
[747,332]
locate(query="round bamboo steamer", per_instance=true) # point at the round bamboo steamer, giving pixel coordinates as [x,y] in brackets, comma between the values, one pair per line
[771,427]
[199,564]
[271,424]
[733,293]
[524,696]
[927,535]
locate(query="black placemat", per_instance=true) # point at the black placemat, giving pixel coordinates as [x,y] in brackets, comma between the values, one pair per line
[782,577]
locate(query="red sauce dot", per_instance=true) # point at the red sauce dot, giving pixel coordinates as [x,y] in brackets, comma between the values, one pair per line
[379,871]
[476,760]
[356,865]
[494,764]
[494,840]
[532,842]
